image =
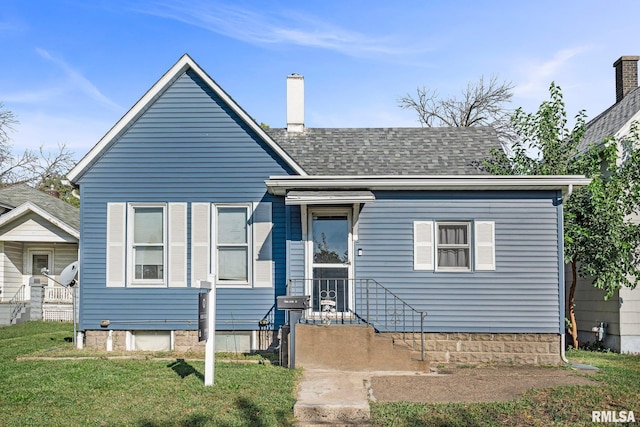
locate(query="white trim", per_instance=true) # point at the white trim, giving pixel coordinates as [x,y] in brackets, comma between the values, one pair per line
[467,246]
[481,245]
[279,185]
[427,243]
[328,197]
[27,207]
[248,244]
[30,252]
[201,236]
[131,280]
[177,245]
[309,253]
[116,253]
[183,64]
[624,130]
[262,248]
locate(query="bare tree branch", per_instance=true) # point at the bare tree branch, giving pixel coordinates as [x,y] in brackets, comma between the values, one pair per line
[7,120]
[482,103]
[39,168]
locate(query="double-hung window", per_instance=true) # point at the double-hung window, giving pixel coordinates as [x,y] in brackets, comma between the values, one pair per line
[233,244]
[148,244]
[453,246]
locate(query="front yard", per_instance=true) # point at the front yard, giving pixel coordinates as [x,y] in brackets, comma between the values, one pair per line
[131,392]
[157,393]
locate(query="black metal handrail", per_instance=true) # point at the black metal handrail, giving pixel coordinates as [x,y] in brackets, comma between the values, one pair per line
[361,301]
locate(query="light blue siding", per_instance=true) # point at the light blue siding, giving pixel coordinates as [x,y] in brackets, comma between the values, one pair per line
[521,295]
[188,146]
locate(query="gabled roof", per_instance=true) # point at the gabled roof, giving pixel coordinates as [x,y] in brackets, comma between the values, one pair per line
[388,151]
[184,63]
[614,121]
[22,198]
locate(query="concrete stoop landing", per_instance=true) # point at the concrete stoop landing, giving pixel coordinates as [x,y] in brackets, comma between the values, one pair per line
[352,348]
[337,362]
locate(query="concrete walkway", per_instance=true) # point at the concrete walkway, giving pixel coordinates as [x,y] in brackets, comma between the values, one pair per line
[332,398]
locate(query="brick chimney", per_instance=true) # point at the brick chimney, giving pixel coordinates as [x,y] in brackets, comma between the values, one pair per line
[52,192]
[295,103]
[626,75]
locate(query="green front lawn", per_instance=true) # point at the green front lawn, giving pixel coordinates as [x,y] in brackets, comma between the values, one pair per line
[159,393]
[148,393]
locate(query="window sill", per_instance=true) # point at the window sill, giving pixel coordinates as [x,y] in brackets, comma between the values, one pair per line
[147,285]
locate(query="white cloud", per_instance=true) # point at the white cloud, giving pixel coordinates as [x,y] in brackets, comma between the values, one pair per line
[286,27]
[78,81]
[32,97]
[537,76]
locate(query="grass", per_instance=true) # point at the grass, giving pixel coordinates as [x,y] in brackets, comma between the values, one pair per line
[150,392]
[140,392]
[619,390]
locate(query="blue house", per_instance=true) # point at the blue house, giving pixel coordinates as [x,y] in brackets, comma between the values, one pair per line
[395,229]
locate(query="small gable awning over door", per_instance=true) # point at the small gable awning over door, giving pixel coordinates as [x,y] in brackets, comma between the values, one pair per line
[328,197]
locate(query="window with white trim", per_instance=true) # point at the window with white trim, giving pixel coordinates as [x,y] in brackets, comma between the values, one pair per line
[454,245]
[233,244]
[148,243]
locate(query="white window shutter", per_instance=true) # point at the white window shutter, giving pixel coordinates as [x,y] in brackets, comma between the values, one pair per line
[262,243]
[177,242]
[116,244]
[485,255]
[423,243]
[200,234]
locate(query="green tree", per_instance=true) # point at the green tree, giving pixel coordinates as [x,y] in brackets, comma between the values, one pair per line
[601,239]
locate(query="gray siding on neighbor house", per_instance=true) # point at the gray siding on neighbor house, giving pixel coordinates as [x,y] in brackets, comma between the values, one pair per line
[188,146]
[521,295]
[12,269]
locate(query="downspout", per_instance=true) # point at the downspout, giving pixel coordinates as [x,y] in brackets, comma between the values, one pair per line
[563,336]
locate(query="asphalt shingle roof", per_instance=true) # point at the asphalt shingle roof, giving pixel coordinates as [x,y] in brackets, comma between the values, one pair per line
[611,120]
[15,195]
[388,151]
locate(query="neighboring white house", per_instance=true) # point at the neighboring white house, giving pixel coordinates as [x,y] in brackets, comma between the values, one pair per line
[37,230]
[620,315]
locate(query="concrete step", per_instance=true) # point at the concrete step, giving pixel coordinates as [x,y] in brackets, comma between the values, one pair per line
[332,398]
[5,314]
[353,348]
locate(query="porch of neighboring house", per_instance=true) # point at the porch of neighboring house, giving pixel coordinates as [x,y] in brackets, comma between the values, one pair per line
[47,303]
[26,294]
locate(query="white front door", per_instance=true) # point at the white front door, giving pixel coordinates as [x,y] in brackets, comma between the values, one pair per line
[330,255]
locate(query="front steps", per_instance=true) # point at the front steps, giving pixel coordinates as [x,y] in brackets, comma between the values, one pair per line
[352,348]
[5,314]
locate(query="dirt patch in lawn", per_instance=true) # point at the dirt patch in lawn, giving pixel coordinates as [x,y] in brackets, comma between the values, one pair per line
[475,384]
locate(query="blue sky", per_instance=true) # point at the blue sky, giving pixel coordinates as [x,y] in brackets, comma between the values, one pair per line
[71,69]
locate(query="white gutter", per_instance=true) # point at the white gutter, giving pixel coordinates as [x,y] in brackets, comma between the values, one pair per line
[279,185]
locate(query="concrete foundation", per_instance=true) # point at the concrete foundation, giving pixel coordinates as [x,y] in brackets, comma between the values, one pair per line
[477,348]
[357,347]
[183,341]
